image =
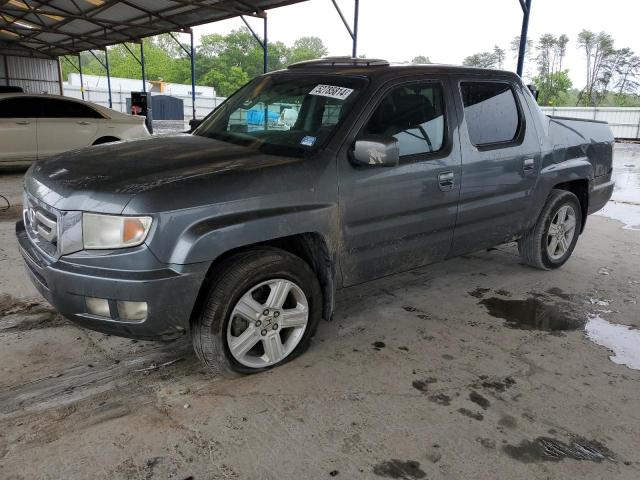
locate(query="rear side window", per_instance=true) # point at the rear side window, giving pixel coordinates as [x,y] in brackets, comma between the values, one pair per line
[54,108]
[412,114]
[491,112]
[21,107]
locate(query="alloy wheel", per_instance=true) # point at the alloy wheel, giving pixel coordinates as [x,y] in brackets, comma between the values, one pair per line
[267,323]
[561,232]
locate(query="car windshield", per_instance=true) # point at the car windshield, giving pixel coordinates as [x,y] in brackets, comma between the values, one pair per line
[283,114]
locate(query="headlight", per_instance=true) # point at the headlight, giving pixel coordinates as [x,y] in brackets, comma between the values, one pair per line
[113,231]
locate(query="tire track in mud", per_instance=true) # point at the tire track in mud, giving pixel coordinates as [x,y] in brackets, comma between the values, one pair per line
[80,382]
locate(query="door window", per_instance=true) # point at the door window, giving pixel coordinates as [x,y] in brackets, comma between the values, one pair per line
[20,107]
[412,114]
[54,108]
[491,112]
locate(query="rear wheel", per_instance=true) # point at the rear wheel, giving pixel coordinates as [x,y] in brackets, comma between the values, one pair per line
[261,311]
[550,243]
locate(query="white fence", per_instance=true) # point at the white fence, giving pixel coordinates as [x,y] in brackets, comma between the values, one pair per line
[204,105]
[624,121]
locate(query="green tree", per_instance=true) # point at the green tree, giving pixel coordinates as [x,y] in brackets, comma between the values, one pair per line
[552,81]
[627,70]
[499,55]
[481,60]
[598,50]
[514,47]
[226,82]
[306,48]
[229,61]
[225,62]
[553,88]
[421,60]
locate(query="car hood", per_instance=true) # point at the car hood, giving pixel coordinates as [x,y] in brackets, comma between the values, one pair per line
[105,178]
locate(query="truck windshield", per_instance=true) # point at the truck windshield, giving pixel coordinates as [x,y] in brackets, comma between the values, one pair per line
[283,114]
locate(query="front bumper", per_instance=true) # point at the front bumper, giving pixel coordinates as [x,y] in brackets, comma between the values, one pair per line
[127,275]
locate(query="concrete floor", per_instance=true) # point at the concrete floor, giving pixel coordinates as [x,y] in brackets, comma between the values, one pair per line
[474,368]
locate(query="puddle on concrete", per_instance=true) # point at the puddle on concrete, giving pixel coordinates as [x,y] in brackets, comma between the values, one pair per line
[622,340]
[627,213]
[532,314]
[626,173]
[553,450]
[625,201]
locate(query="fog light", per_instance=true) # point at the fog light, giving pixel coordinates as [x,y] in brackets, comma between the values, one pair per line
[136,311]
[98,306]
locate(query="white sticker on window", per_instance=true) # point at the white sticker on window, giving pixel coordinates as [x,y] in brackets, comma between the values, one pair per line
[341,93]
[308,141]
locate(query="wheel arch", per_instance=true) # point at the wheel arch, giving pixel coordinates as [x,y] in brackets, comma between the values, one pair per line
[105,139]
[580,188]
[310,247]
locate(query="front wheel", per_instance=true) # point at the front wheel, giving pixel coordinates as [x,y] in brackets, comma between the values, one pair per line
[262,310]
[550,243]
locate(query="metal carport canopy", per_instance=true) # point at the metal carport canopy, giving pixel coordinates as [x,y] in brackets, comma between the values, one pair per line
[52,28]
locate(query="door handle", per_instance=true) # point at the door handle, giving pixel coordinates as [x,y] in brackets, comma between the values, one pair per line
[83,123]
[446,181]
[23,122]
[528,165]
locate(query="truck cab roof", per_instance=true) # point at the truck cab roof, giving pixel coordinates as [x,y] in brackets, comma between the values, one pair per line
[374,67]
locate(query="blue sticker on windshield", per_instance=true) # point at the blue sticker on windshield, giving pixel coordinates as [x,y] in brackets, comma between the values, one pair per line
[308,141]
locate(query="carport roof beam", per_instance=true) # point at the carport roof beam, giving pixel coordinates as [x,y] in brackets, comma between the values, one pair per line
[51,28]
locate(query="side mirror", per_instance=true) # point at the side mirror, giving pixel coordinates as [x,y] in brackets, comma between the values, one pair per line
[534,91]
[376,150]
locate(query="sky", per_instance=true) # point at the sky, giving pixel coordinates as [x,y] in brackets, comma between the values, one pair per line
[448,31]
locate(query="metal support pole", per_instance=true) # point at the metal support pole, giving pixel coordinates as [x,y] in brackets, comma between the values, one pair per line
[355,28]
[81,82]
[193,78]
[526,10]
[265,48]
[59,75]
[353,33]
[6,69]
[144,77]
[106,64]
[262,42]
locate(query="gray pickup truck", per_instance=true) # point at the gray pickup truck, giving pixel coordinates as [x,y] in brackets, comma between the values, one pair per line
[325,175]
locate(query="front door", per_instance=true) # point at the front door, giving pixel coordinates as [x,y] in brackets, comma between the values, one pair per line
[65,125]
[18,130]
[397,218]
[500,163]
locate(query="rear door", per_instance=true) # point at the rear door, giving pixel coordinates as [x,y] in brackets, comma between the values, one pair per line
[500,163]
[397,218]
[65,125]
[18,129]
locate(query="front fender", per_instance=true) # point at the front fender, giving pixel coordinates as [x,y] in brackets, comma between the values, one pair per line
[209,235]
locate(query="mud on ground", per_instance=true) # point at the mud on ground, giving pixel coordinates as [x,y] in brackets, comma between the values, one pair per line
[474,368]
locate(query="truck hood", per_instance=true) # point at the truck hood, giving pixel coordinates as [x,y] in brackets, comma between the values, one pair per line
[106,178]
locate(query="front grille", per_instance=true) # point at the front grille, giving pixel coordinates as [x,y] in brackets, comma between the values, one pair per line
[41,222]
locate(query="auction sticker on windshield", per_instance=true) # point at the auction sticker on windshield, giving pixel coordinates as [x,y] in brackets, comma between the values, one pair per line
[340,93]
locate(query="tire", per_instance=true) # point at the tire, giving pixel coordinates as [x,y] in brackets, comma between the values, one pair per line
[536,246]
[257,275]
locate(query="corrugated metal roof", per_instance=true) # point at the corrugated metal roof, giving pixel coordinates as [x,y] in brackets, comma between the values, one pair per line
[49,28]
